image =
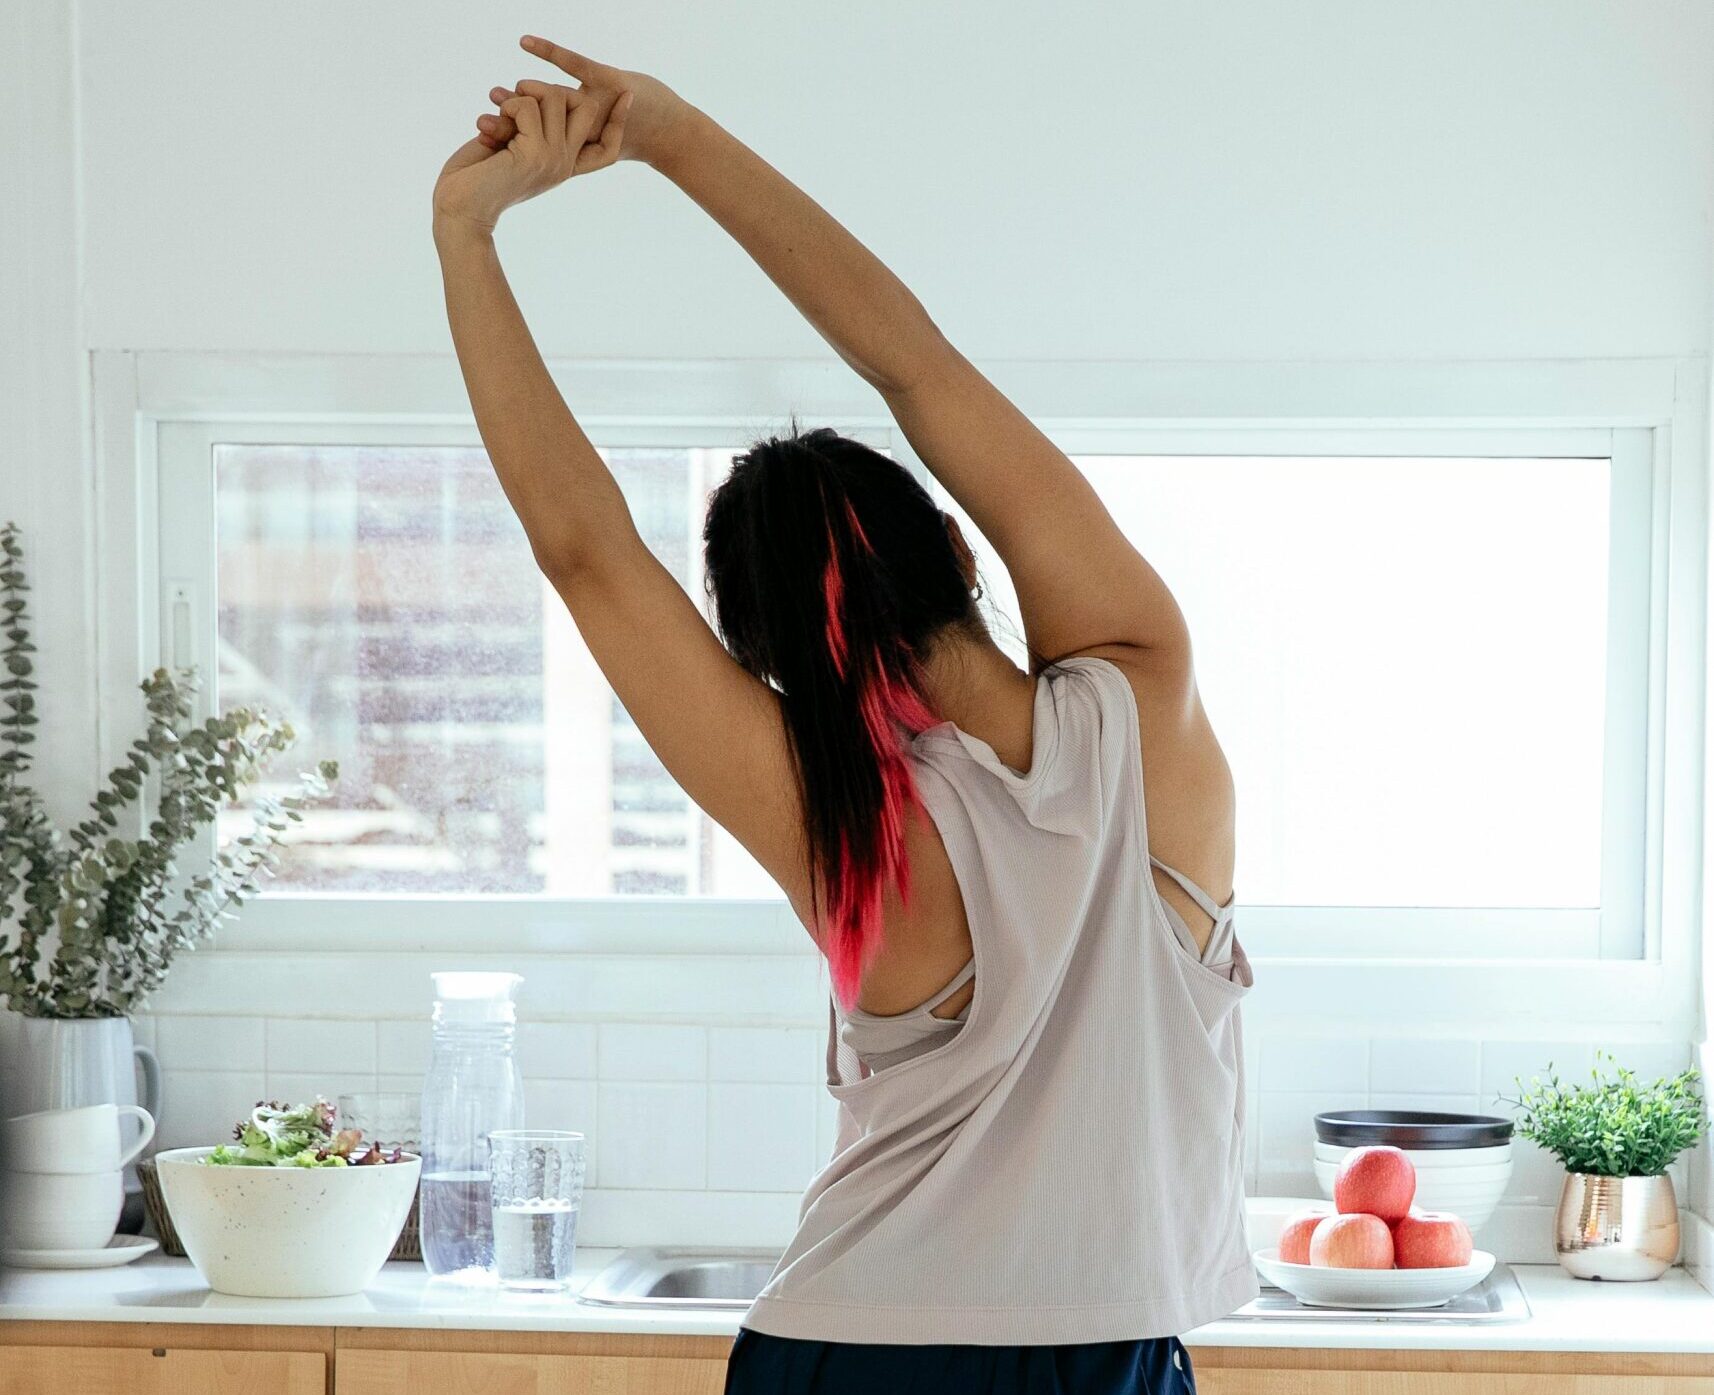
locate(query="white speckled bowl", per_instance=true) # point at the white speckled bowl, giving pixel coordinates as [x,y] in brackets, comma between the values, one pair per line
[286,1232]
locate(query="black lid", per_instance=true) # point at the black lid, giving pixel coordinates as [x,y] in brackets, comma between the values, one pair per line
[1411,1128]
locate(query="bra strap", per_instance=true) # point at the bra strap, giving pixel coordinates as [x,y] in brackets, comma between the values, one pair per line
[963,977]
[1204,901]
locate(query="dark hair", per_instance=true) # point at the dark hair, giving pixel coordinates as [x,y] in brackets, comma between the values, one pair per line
[832,572]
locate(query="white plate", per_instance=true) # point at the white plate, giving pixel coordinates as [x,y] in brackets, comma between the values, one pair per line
[1320,1287]
[121,1249]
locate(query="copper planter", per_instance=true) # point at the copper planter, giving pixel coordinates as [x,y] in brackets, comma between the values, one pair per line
[1623,1228]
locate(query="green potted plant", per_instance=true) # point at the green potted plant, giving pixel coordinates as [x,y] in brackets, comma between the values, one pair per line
[92,918]
[1616,1137]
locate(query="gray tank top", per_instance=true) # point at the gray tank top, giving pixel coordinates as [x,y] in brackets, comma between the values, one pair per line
[1065,1163]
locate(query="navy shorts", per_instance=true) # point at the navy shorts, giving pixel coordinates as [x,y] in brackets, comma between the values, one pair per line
[765,1365]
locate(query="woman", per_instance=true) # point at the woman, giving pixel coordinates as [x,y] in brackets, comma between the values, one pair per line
[1034,1037]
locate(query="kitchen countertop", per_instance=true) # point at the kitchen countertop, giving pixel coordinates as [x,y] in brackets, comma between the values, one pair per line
[1674,1314]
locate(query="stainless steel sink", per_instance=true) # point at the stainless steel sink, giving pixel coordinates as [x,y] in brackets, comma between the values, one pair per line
[712,1279]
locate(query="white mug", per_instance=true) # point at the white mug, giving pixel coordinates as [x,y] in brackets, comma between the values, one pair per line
[60,1211]
[73,1140]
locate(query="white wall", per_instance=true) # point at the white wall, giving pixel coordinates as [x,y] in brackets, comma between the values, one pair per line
[1324,181]
[1331,179]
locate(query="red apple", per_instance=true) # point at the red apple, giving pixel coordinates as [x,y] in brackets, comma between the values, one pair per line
[1378,1181]
[1355,1241]
[1431,1240]
[1294,1238]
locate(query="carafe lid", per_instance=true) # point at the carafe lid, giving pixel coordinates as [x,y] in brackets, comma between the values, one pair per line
[463,995]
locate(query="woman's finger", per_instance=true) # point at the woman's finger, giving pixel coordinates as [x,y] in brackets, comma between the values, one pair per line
[553,119]
[564,59]
[584,123]
[526,115]
[539,90]
[606,151]
[500,128]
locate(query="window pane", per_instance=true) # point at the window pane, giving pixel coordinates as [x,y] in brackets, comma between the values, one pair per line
[384,599]
[1404,659]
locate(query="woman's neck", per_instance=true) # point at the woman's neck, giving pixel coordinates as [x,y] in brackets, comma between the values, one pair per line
[972,684]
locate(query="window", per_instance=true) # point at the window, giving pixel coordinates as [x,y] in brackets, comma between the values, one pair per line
[384,599]
[1424,673]
[1431,654]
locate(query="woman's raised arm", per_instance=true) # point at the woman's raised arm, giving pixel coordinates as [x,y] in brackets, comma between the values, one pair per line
[1080,583]
[717,730]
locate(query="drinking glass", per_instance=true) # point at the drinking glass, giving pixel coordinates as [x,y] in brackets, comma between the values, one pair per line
[537,1192]
[392,1118]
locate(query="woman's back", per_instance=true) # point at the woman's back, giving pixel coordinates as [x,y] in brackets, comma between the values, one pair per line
[1066,1167]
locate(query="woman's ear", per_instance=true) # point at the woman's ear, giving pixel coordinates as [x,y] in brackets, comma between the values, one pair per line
[961,550]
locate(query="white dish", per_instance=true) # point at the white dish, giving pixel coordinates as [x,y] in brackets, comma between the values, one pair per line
[121,1249]
[1384,1289]
[286,1232]
[1469,1193]
[1432,1158]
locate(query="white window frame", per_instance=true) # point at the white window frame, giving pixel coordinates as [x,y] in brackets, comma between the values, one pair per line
[1646,414]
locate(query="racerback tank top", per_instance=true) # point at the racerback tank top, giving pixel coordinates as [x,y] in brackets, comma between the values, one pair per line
[1067,1165]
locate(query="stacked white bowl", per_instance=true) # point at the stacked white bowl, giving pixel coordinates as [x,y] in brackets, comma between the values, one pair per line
[1463,1161]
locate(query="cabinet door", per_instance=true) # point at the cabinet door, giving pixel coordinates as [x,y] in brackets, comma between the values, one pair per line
[1217,1381]
[138,1371]
[365,1372]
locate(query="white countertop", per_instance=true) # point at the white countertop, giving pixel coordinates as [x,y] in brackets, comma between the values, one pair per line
[1673,1314]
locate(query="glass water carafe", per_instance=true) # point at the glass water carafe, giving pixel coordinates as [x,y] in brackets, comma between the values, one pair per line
[473,1088]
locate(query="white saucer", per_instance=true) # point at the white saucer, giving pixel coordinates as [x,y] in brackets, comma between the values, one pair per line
[121,1249]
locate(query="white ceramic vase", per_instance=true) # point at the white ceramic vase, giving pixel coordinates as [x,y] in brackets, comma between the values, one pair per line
[66,1063]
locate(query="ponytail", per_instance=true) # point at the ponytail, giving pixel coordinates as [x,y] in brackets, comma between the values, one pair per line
[831,570]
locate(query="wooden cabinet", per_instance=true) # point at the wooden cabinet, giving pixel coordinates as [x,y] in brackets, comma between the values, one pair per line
[507,1373]
[374,1361]
[1439,1383]
[116,1358]
[1279,1371]
[93,1359]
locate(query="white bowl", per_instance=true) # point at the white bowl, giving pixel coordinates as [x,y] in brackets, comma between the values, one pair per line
[1321,1287]
[1470,1193]
[286,1232]
[1433,1158]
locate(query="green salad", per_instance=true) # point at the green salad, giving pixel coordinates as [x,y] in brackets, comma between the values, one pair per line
[301,1135]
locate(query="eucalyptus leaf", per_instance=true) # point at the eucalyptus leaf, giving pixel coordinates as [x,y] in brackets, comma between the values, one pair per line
[115,903]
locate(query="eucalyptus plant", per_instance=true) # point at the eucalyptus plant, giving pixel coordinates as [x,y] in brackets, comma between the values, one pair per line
[1615,1126]
[91,919]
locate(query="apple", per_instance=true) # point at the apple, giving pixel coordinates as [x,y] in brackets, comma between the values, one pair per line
[1377,1181]
[1352,1241]
[1431,1240]
[1294,1238]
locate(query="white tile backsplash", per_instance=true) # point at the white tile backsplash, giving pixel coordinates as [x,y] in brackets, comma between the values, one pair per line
[1437,1065]
[793,1055]
[557,1050]
[651,1135]
[212,1043]
[402,1048]
[1290,1062]
[761,1137]
[298,1044]
[705,1129]
[633,1051]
